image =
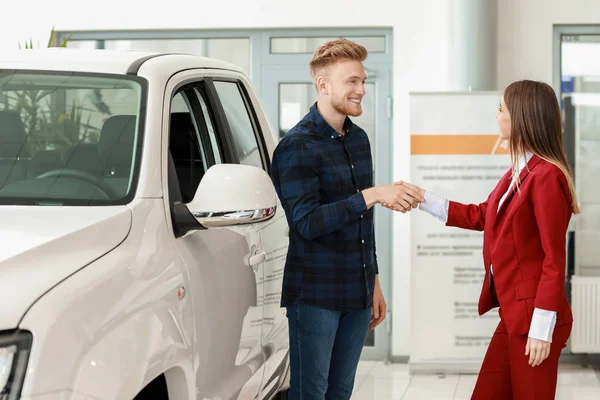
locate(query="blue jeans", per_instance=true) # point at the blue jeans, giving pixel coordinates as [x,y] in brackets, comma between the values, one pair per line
[325,348]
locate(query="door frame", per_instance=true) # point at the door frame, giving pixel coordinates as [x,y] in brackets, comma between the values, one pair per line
[559,33]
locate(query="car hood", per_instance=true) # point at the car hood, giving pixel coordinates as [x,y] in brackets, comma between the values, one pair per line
[41,246]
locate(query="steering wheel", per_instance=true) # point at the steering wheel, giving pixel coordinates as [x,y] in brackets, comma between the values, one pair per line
[82,176]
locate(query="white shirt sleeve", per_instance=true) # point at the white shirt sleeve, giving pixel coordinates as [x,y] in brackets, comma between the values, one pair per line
[435,205]
[542,325]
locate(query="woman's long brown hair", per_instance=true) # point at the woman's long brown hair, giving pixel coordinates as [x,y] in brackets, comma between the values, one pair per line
[536,127]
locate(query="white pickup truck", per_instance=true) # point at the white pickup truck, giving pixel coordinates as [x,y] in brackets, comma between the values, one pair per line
[142,244]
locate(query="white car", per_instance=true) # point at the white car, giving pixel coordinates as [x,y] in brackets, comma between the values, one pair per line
[142,244]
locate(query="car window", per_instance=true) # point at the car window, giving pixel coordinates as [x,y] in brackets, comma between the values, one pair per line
[69,139]
[193,147]
[240,123]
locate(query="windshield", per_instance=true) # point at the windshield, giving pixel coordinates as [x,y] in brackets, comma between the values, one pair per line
[69,139]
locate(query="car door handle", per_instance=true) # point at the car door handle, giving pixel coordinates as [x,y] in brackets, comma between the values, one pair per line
[256,259]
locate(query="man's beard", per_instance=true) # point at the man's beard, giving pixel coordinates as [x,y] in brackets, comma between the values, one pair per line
[346,109]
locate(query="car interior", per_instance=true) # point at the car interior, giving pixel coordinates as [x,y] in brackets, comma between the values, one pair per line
[83,171]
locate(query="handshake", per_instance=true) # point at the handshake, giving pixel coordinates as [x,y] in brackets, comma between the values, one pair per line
[400,196]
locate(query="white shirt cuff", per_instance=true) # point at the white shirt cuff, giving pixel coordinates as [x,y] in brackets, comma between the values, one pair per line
[435,205]
[542,325]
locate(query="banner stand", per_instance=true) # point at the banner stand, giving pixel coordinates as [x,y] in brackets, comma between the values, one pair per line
[455,153]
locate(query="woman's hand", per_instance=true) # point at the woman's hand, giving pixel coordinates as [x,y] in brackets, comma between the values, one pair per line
[414,191]
[415,188]
[537,350]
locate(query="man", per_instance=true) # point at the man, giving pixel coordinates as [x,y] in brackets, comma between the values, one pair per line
[322,171]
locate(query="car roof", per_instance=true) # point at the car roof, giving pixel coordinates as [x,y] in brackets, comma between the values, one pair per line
[104,61]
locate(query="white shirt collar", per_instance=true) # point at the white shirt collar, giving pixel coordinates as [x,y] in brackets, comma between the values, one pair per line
[523,160]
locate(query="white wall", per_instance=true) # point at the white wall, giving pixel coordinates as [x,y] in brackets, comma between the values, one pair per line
[421,63]
[525,35]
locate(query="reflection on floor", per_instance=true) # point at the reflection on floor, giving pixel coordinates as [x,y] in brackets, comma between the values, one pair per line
[378,381]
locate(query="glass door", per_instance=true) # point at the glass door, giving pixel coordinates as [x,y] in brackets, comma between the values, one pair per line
[580,101]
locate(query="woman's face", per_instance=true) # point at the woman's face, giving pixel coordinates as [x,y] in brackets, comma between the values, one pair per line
[503,117]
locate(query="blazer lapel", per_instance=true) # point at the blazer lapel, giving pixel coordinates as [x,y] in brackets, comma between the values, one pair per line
[533,161]
[501,188]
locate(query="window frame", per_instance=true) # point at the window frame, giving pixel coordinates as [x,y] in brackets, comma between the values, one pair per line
[190,89]
[352,37]
[216,114]
[252,116]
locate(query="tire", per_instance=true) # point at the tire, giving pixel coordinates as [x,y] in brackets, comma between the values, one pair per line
[156,390]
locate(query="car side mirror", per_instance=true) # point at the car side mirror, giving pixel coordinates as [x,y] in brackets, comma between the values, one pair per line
[233,194]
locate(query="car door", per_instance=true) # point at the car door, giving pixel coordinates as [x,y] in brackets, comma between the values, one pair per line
[235,96]
[221,276]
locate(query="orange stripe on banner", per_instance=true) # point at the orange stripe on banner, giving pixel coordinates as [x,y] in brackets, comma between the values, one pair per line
[457,144]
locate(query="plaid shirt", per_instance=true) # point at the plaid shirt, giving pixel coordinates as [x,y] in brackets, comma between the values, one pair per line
[319,175]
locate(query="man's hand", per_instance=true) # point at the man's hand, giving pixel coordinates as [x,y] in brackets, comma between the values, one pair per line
[537,350]
[395,197]
[379,306]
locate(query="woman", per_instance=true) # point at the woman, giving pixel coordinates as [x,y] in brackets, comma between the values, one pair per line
[525,223]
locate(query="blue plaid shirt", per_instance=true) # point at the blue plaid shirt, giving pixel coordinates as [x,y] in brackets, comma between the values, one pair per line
[319,175]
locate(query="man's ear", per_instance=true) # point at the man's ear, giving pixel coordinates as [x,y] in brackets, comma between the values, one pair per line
[322,85]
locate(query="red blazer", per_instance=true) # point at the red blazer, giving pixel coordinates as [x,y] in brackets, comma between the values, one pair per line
[525,242]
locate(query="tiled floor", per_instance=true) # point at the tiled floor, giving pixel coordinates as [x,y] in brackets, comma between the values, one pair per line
[378,381]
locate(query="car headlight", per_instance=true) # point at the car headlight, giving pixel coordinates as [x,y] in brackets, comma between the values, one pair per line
[14,354]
